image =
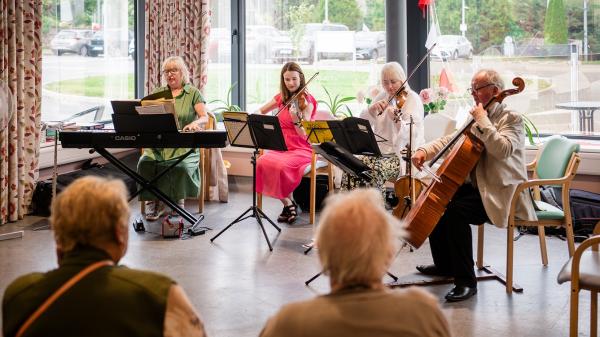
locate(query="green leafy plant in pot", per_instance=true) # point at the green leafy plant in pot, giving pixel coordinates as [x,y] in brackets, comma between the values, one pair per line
[337,105]
[225,105]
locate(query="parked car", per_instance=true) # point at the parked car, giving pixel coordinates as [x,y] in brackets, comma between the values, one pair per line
[267,44]
[307,44]
[96,45]
[369,45]
[71,41]
[452,47]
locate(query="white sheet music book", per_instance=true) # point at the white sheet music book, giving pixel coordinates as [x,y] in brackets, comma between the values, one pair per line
[158,107]
[236,125]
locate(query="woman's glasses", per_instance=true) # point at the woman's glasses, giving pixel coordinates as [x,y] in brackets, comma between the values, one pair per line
[170,71]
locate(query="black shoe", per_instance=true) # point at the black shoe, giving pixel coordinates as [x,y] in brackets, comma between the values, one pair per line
[431,270]
[460,293]
[285,214]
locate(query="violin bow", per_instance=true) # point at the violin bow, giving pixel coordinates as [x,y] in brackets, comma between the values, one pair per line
[296,94]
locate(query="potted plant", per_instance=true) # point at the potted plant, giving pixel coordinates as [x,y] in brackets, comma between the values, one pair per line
[336,104]
[225,105]
[434,99]
[530,129]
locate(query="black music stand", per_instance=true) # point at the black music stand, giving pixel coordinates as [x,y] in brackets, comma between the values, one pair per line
[355,135]
[257,132]
[352,136]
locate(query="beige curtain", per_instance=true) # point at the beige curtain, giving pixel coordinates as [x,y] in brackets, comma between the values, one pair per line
[176,28]
[20,69]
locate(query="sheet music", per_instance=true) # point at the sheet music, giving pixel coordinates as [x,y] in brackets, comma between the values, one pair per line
[151,109]
[238,132]
[318,131]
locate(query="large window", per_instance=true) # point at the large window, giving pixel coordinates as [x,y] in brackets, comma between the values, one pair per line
[88,48]
[553,45]
[342,40]
[219,56]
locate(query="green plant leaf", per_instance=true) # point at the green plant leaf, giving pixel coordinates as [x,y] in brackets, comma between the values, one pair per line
[347,99]
[349,111]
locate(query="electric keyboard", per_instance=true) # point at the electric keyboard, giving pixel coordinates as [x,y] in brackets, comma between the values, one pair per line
[111,139]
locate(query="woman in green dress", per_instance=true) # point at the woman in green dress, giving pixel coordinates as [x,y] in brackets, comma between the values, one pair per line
[183,180]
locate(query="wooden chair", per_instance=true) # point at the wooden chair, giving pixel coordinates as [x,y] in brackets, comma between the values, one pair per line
[203,166]
[583,270]
[556,164]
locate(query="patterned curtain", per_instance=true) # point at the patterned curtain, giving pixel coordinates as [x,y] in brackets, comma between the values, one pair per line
[20,69]
[176,28]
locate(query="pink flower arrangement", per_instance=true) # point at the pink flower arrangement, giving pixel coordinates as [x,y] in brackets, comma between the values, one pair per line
[434,99]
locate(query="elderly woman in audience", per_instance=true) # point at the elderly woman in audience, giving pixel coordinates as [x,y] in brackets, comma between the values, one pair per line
[356,240]
[88,294]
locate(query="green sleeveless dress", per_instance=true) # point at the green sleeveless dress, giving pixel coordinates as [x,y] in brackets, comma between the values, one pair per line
[182,181]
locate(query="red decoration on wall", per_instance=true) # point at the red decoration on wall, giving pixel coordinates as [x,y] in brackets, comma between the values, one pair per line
[423,5]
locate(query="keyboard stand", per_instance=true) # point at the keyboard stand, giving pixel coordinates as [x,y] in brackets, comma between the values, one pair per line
[148,184]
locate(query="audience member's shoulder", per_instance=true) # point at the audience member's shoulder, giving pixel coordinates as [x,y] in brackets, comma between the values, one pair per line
[417,295]
[20,284]
[152,281]
[290,317]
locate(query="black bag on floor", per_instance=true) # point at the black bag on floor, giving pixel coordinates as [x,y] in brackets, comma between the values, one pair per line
[42,196]
[585,211]
[302,193]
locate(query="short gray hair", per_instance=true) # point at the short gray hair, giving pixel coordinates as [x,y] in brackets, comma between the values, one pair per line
[179,64]
[88,211]
[356,237]
[493,77]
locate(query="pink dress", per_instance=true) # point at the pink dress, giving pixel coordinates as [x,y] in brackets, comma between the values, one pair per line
[278,173]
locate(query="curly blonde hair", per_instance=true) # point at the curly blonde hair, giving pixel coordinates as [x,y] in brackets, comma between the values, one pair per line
[88,211]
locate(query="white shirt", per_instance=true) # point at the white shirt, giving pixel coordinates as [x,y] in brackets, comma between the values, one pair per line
[396,134]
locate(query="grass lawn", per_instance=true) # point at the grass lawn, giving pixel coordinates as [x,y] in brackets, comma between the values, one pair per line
[262,84]
[92,86]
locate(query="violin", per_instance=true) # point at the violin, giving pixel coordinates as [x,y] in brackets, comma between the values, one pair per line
[298,98]
[300,103]
[401,98]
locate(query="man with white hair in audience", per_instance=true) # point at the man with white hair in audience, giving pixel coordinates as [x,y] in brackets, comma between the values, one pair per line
[357,240]
[88,294]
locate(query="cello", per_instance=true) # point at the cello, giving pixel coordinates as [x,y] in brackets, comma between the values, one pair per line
[407,187]
[466,149]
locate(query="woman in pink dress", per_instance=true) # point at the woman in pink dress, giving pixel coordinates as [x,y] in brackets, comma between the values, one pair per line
[278,173]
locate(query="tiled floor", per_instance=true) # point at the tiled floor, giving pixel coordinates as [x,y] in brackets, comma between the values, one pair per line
[236,283]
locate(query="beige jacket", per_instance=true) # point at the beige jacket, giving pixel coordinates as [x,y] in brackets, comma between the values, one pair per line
[362,313]
[502,165]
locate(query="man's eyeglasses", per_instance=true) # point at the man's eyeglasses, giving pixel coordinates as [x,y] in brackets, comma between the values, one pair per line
[170,71]
[473,91]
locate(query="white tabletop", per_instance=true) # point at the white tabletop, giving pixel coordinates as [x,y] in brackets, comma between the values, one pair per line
[580,105]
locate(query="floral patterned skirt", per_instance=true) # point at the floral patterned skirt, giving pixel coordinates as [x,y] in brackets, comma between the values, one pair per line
[384,169]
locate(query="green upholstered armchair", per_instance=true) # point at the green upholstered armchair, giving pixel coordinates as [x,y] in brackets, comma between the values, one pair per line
[556,164]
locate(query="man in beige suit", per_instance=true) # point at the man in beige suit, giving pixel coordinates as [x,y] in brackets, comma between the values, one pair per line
[357,241]
[488,190]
